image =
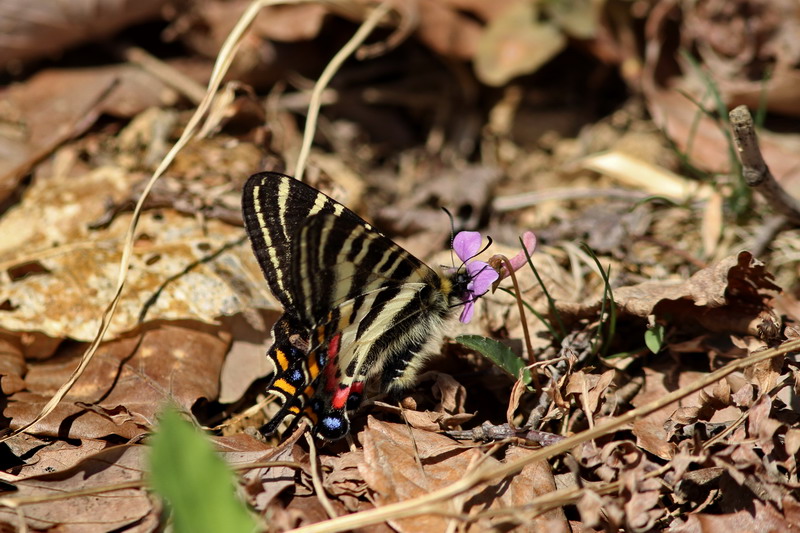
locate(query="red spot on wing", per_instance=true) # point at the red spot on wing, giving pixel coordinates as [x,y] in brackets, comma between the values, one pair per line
[333,346]
[357,387]
[330,367]
[340,398]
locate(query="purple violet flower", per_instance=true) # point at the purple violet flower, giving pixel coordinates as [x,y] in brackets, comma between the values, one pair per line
[481,275]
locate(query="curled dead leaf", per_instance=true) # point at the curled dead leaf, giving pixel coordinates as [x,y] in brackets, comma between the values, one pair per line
[730,296]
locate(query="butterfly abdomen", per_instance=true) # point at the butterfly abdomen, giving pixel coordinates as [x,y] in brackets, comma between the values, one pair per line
[414,341]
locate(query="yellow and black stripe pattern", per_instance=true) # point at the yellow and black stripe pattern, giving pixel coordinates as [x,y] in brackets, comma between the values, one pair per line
[356,305]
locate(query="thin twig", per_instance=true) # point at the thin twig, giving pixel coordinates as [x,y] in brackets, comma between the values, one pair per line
[316,478]
[528,199]
[755,171]
[346,51]
[164,72]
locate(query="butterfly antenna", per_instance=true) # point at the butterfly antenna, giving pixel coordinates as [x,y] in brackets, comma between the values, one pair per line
[488,244]
[452,232]
[479,252]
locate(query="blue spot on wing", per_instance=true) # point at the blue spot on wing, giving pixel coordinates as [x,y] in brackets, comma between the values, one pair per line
[296,377]
[332,422]
[333,426]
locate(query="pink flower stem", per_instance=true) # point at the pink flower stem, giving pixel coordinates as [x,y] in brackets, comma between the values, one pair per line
[526,334]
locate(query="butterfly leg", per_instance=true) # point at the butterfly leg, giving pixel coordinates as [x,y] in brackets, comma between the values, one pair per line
[289,411]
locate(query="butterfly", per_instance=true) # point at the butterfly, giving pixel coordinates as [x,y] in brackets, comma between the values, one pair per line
[356,305]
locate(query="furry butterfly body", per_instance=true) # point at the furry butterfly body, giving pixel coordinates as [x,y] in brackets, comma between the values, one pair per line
[356,305]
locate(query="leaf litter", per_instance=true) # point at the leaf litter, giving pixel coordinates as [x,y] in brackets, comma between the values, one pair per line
[187,326]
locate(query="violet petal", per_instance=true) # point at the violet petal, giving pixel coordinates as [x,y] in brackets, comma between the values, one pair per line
[481,277]
[466,244]
[466,313]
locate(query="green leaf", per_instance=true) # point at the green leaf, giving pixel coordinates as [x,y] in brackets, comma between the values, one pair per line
[195,482]
[499,354]
[654,338]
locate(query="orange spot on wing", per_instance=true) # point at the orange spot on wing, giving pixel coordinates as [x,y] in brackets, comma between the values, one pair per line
[313,367]
[281,359]
[285,386]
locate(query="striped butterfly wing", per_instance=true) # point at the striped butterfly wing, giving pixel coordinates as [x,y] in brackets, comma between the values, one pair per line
[356,304]
[374,306]
[275,206]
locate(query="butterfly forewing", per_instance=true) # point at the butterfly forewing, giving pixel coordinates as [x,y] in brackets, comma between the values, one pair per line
[275,207]
[356,304]
[338,260]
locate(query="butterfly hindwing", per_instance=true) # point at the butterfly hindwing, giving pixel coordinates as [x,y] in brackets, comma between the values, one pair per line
[356,304]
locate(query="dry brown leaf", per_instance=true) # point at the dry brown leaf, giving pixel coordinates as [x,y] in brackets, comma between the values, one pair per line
[12,364]
[447,31]
[450,393]
[127,382]
[172,276]
[281,23]
[654,432]
[590,506]
[301,510]
[642,508]
[54,456]
[736,44]
[344,481]
[729,296]
[392,471]
[589,387]
[762,518]
[650,432]
[246,360]
[636,506]
[57,105]
[266,483]
[101,511]
[33,30]
[516,42]
[761,426]
[765,375]
[242,449]
[427,420]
